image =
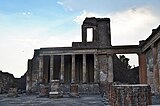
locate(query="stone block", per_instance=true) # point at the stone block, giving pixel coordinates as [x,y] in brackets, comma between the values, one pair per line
[12,92]
[44,90]
[74,90]
[55,91]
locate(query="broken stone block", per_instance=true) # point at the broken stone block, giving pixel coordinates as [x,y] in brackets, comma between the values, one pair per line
[12,92]
[56,91]
[74,90]
[44,90]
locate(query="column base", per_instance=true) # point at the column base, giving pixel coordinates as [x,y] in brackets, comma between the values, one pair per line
[55,95]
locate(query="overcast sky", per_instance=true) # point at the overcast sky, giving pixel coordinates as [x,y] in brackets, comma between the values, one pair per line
[26,25]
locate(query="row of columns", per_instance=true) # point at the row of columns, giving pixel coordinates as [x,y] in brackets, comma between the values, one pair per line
[73,73]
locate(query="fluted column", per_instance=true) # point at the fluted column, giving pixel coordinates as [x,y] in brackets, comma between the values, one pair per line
[96,72]
[51,67]
[62,69]
[84,69]
[110,68]
[41,69]
[73,69]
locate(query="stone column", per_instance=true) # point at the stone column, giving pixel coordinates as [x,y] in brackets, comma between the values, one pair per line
[110,68]
[73,69]
[62,69]
[84,69]
[41,69]
[142,68]
[96,72]
[51,67]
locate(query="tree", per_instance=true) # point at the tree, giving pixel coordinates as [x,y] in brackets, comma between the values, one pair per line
[125,60]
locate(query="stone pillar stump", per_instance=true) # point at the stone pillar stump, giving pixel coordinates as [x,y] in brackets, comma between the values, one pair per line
[12,92]
[56,91]
[74,90]
[43,90]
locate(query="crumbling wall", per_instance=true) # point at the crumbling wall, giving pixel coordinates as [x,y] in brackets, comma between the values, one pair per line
[123,74]
[21,83]
[6,81]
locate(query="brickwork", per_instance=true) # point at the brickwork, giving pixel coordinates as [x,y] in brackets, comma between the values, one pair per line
[130,95]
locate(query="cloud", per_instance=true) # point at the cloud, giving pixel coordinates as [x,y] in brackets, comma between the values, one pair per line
[65,5]
[128,27]
[26,13]
[94,5]
[79,19]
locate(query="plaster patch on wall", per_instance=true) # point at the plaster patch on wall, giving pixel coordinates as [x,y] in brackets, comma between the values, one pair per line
[103,76]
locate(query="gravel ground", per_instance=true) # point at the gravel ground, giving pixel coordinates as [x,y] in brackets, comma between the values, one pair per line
[156,100]
[34,100]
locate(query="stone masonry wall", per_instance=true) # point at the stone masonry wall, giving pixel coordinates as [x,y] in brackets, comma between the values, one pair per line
[123,74]
[149,58]
[6,81]
[158,66]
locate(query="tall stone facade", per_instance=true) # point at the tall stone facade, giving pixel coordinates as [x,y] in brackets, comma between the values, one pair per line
[150,56]
[88,64]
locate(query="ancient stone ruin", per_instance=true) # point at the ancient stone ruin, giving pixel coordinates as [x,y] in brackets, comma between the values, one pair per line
[92,65]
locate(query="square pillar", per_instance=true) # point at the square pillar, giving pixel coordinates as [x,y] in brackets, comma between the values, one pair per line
[84,69]
[51,67]
[155,68]
[41,69]
[96,72]
[142,68]
[73,69]
[110,68]
[62,69]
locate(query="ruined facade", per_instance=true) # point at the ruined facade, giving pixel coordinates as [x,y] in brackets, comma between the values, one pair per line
[88,64]
[150,61]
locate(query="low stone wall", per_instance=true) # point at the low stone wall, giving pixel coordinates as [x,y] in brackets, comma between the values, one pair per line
[83,89]
[129,95]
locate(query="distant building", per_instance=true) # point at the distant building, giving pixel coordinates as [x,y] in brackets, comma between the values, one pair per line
[93,64]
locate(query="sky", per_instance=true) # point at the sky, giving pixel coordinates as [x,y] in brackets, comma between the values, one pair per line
[26,25]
